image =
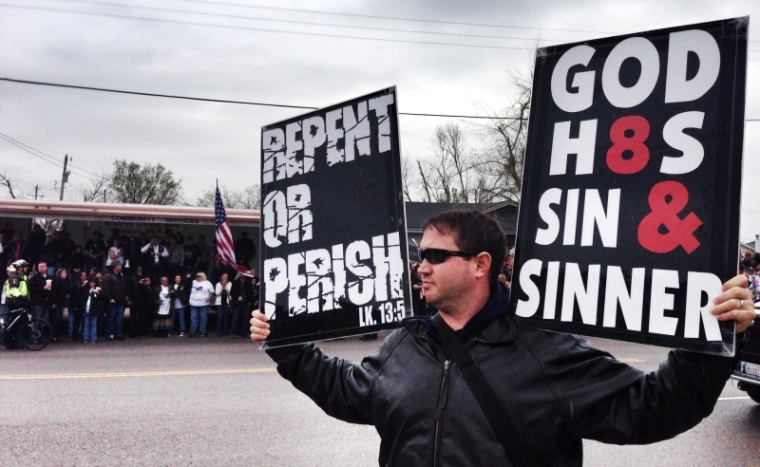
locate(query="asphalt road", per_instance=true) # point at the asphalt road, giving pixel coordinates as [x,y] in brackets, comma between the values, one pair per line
[219,402]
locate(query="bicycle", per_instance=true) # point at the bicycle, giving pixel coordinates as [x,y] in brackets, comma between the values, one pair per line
[25,330]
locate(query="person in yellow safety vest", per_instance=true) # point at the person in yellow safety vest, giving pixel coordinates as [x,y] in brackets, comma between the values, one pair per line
[16,291]
[4,308]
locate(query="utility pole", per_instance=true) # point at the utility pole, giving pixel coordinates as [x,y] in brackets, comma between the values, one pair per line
[65,177]
[36,189]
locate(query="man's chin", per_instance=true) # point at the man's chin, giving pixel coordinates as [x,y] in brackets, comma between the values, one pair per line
[432,300]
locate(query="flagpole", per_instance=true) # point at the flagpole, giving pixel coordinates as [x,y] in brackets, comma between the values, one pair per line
[224,242]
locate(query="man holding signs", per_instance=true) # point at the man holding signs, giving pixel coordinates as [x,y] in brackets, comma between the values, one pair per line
[554,389]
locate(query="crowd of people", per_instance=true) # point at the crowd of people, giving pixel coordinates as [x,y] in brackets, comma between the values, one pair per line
[168,285]
[749,265]
[165,286]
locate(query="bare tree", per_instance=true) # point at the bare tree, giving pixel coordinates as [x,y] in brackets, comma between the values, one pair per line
[98,188]
[247,198]
[426,186]
[506,138]
[407,176]
[452,174]
[6,181]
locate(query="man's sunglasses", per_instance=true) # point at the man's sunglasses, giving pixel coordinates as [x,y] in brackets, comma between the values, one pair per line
[436,256]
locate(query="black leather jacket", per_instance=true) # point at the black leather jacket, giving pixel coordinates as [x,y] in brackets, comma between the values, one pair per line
[556,388]
[114,288]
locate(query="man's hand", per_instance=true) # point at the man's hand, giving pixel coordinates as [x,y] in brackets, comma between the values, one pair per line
[735,303]
[259,327]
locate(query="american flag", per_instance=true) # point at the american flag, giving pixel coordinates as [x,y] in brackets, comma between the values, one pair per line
[224,245]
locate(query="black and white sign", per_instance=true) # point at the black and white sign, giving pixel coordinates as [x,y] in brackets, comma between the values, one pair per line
[629,217]
[333,229]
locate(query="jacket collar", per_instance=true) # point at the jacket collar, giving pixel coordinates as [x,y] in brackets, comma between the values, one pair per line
[492,324]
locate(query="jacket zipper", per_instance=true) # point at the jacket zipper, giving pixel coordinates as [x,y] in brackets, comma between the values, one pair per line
[442,398]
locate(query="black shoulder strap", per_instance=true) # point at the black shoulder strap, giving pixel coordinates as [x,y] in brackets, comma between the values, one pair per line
[483,393]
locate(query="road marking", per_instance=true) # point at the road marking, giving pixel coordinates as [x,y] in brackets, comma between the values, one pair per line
[737,398]
[138,374]
[230,371]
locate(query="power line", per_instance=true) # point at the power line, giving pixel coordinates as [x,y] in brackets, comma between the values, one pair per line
[149,94]
[395,18]
[277,31]
[226,101]
[45,186]
[40,154]
[298,10]
[12,134]
[46,189]
[260,104]
[247,28]
[307,23]
[22,147]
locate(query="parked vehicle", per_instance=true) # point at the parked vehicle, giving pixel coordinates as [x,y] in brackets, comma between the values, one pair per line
[747,371]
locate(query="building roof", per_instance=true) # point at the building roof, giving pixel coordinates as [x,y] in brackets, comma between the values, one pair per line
[416,212]
[142,213]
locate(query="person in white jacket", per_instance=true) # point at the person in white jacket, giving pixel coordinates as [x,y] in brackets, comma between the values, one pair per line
[223,288]
[154,255]
[162,323]
[201,292]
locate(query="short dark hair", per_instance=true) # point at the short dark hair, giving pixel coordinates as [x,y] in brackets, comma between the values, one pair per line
[473,231]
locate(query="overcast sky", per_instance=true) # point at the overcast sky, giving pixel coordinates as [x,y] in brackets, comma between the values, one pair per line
[295,53]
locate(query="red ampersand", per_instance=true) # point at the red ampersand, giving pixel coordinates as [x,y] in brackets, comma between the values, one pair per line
[667,199]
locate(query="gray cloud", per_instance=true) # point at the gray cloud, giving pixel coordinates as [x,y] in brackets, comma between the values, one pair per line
[204,141]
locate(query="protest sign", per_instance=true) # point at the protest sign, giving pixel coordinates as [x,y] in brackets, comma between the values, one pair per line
[333,229]
[629,216]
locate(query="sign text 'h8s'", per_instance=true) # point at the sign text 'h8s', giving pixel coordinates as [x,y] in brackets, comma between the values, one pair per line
[629,218]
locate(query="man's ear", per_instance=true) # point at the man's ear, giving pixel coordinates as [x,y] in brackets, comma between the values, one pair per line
[483,264]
